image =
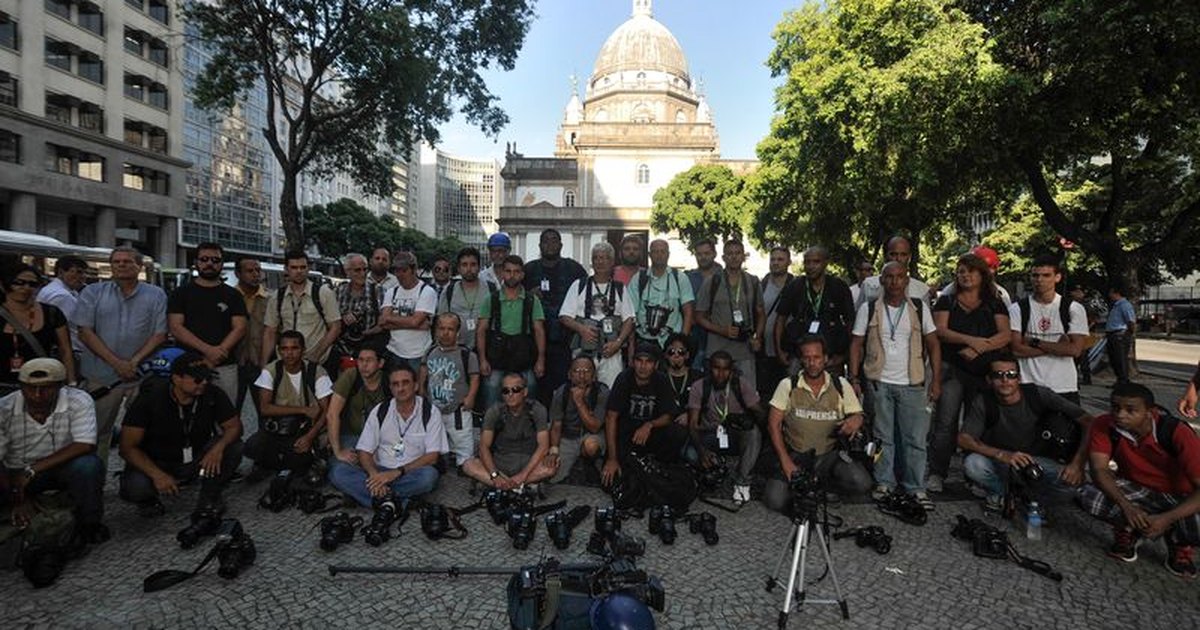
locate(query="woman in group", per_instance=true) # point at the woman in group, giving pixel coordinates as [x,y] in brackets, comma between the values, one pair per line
[972,325]
[31,329]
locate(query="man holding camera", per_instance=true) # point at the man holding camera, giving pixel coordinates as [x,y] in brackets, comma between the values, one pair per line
[661,297]
[730,307]
[293,398]
[514,441]
[723,413]
[1016,428]
[818,412]
[178,430]
[48,442]
[1155,490]
[401,440]
[641,415]
[599,311]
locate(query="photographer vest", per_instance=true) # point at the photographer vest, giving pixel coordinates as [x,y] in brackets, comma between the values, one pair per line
[811,416]
[874,356]
[284,393]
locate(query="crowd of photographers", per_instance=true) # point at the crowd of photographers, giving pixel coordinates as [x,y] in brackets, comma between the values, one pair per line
[518,374]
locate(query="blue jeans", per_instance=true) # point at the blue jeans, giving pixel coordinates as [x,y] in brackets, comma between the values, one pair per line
[902,428]
[352,480]
[491,387]
[993,476]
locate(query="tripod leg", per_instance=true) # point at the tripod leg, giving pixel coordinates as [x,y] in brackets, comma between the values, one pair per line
[837,587]
[773,581]
[798,548]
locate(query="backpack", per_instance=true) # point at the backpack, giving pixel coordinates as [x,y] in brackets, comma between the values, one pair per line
[1164,433]
[426,409]
[512,353]
[315,294]
[1064,312]
[1059,435]
[743,421]
[646,482]
[712,294]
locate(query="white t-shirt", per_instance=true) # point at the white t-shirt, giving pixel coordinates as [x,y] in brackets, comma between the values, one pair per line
[411,343]
[322,388]
[417,437]
[1057,373]
[573,302]
[897,334]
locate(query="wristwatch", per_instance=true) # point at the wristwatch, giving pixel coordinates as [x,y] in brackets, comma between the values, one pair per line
[494,474]
[30,473]
[1036,342]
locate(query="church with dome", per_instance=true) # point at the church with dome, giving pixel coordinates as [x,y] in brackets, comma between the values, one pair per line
[641,120]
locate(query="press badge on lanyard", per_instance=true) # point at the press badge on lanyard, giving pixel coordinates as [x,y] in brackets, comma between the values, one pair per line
[187,454]
[722,437]
[545,285]
[398,449]
[737,316]
[471,321]
[607,326]
[814,327]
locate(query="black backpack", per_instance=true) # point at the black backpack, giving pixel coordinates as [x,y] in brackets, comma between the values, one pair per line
[1164,433]
[512,353]
[1058,436]
[646,482]
[426,408]
[1064,313]
[315,294]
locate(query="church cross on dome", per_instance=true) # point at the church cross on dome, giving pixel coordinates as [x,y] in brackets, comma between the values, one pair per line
[642,7]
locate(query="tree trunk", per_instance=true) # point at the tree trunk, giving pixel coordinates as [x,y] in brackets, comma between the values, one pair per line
[289,213]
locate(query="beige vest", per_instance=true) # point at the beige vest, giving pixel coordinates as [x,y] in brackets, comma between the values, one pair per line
[286,395]
[873,363]
[811,418]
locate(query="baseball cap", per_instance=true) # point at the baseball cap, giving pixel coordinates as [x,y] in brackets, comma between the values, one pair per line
[42,371]
[192,364]
[647,350]
[988,255]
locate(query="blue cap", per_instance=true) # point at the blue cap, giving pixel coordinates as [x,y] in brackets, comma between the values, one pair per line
[500,239]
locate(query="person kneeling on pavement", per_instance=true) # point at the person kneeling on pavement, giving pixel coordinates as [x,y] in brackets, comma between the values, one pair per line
[1005,436]
[723,415]
[400,443]
[640,416]
[815,411]
[577,419]
[180,429]
[48,442]
[1155,490]
[514,441]
[293,395]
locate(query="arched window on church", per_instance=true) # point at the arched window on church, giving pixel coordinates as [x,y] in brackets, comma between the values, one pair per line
[602,115]
[643,174]
[641,79]
[680,117]
[569,199]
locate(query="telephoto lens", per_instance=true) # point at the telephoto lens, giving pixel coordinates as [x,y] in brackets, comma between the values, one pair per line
[379,530]
[204,522]
[520,528]
[1032,472]
[235,549]
[435,521]
[662,523]
[496,500]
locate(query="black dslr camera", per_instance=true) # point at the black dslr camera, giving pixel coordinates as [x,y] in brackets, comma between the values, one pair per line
[662,523]
[435,521]
[204,522]
[501,503]
[858,447]
[379,530]
[279,495]
[235,549]
[1032,473]
[338,529]
[871,536]
[560,523]
[520,528]
[607,521]
[617,545]
[704,524]
[986,541]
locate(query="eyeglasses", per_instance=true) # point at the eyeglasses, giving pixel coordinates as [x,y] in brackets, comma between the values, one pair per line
[676,352]
[24,283]
[1001,375]
[512,390]
[442,269]
[208,259]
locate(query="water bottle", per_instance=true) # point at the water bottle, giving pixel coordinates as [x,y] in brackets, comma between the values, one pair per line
[1033,526]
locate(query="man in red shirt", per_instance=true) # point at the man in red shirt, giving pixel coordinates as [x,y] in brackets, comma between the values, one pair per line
[1156,488]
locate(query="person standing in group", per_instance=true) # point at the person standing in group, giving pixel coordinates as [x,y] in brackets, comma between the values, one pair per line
[730,307]
[893,337]
[600,313]
[305,306]
[449,379]
[70,276]
[359,301]
[381,271]
[1048,331]
[511,335]
[498,246]
[817,304]
[208,317]
[122,321]
[705,251]
[466,296]
[633,259]
[770,367]
[440,270]
[863,270]
[549,278]
[30,330]
[248,271]
[662,298]
[408,313]
[1118,333]
[898,249]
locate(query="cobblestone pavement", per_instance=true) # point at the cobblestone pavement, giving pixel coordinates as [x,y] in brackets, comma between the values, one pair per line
[929,580]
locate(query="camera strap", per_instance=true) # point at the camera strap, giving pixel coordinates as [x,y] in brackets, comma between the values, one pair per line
[159,580]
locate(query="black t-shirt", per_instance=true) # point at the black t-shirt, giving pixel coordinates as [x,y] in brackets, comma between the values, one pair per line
[638,404]
[208,312]
[832,308]
[167,423]
[681,386]
[47,335]
[980,322]
[1017,426]
[560,278]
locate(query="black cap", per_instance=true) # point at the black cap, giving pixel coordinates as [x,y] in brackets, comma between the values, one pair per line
[192,364]
[649,350]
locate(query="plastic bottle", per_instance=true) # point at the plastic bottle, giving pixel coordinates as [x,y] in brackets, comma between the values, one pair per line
[1033,526]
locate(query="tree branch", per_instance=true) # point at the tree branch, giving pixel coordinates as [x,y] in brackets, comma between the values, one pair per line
[1175,232]
[1055,217]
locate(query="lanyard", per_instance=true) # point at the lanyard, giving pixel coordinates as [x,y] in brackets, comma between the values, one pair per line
[682,384]
[295,310]
[609,306]
[815,304]
[187,420]
[887,310]
[722,412]
[474,299]
[735,299]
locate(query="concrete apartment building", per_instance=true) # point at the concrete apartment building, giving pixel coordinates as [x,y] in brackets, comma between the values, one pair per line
[91,119]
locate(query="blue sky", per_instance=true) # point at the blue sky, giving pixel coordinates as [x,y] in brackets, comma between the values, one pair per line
[726,44]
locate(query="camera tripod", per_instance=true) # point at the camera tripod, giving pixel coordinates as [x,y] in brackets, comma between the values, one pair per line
[802,529]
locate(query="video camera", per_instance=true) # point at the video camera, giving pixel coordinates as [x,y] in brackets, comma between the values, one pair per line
[807,488]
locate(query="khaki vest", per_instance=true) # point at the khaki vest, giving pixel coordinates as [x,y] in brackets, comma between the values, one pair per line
[810,418]
[286,395]
[873,364]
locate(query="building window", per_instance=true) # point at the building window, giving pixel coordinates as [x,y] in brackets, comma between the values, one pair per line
[133,41]
[8,32]
[135,87]
[569,199]
[134,133]
[68,161]
[157,53]
[158,95]
[643,174]
[91,17]
[8,89]
[61,8]
[144,179]
[58,54]
[58,108]
[10,147]
[137,4]
[91,67]
[91,117]
[158,11]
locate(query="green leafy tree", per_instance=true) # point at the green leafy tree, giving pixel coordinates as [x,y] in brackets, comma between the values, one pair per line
[345,226]
[351,85]
[705,201]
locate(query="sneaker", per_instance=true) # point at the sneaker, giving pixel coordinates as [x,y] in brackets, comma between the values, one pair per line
[1181,561]
[1125,544]
[993,503]
[880,492]
[977,491]
[935,484]
[151,509]
[741,495]
[923,499]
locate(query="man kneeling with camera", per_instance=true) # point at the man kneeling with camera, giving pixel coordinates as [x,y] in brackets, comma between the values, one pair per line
[813,411]
[1024,433]
[723,413]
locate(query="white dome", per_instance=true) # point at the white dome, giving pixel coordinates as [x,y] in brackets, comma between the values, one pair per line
[641,43]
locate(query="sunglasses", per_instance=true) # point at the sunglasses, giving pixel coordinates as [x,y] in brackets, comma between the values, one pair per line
[676,352]
[208,259]
[19,282]
[511,390]
[1011,375]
